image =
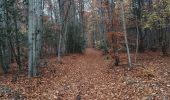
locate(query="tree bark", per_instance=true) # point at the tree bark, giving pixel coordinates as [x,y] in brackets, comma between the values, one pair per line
[34,35]
[125,33]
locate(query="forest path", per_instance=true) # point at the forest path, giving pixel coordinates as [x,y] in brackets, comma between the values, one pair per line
[89,77]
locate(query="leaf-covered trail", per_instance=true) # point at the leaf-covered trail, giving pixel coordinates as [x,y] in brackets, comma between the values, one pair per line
[89,77]
[86,77]
[80,76]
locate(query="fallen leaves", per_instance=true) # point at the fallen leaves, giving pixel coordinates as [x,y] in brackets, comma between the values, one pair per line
[89,77]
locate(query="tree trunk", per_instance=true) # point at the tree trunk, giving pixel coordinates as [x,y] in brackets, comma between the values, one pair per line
[34,35]
[125,33]
[18,55]
[31,32]
[137,39]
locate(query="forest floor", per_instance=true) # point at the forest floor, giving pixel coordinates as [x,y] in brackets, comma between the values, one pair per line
[90,76]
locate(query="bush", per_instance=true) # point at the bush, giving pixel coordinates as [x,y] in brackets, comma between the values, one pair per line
[101,45]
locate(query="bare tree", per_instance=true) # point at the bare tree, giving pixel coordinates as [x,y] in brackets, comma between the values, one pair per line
[125,33]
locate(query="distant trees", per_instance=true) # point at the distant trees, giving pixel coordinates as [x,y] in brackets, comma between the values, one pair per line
[71,37]
[155,19]
[4,55]
[137,6]
[10,36]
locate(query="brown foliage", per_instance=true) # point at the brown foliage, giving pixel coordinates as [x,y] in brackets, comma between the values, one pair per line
[114,35]
[114,39]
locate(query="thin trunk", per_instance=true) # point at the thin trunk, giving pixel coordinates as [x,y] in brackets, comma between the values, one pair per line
[18,55]
[61,9]
[137,40]
[59,47]
[125,33]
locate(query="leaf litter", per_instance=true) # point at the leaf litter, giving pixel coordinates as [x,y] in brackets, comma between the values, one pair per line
[90,76]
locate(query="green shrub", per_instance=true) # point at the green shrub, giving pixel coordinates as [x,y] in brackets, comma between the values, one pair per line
[103,46]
